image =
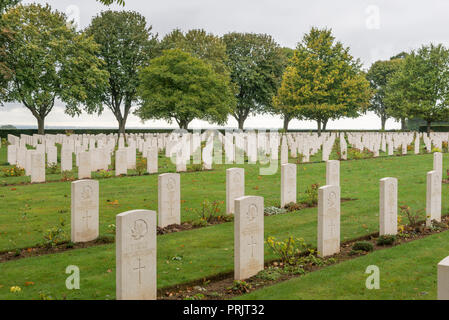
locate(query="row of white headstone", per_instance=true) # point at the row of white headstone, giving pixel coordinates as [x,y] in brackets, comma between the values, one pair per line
[182,147]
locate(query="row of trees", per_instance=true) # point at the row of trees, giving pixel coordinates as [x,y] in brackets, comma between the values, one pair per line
[118,62]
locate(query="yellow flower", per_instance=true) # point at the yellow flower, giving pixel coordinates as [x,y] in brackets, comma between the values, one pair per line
[15,289]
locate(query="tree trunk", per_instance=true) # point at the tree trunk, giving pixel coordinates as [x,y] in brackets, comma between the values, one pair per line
[428,127]
[319,128]
[325,124]
[286,122]
[241,121]
[383,120]
[40,125]
[403,124]
[121,128]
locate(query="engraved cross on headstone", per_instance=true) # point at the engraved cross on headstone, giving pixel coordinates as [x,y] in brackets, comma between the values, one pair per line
[252,244]
[86,218]
[140,268]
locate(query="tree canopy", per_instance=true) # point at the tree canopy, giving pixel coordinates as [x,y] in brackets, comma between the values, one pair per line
[324,81]
[182,87]
[109,2]
[126,45]
[256,65]
[50,61]
[420,88]
[199,44]
[378,75]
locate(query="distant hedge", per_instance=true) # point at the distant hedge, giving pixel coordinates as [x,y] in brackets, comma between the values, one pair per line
[434,128]
[17,132]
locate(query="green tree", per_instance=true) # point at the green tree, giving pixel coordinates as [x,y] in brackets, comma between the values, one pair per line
[287,112]
[324,81]
[420,88]
[178,86]
[5,34]
[378,76]
[6,4]
[109,2]
[256,65]
[126,45]
[50,61]
[199,44]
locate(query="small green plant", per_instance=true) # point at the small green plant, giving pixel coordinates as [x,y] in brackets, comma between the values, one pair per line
[269,274]
[386,240]
[195,168]
[436,150]
[67,176]
[52,168]
[239,287]
[55,235]
[13,172]
[292,251]
[272,211]
[105,173]
[292,206]
[212,213]
[141,166]
[198,296]
[363,246]
[311,192]
[412,217]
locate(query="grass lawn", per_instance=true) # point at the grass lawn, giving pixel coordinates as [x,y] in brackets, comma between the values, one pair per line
[408,271]
[27,211]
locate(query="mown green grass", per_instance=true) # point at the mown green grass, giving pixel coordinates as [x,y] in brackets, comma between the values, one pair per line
[205,252]
[407,272]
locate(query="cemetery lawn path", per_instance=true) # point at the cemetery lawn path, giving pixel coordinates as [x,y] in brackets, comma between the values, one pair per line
[407,272]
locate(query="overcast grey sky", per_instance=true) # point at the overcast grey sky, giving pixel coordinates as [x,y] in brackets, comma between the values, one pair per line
[376,29]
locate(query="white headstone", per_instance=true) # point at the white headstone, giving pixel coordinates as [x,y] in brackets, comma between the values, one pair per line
[388,216]
[84,168]
[248,237]
[136,258]
[37,167]
[235,187]
[443,279]
[328,220]
[169,199]
[333,173]
[85,210]
[433,198]
[288,184]
[121,162]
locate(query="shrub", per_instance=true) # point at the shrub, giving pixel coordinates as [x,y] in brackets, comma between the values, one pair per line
[293,251]
[141,166]
[195,168]
[386,240]
[68,176]
[270,274]
[239,287]
[55,235]
[13,172]
[52,168]
[311,195]
[412,217]
[272,211]
[290,207]
[105,173]
[211,212]
[363,246]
